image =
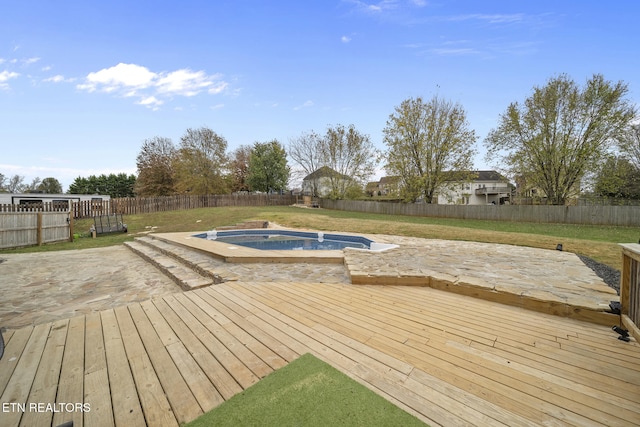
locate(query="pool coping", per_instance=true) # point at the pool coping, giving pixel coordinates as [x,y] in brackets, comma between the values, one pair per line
[239,254]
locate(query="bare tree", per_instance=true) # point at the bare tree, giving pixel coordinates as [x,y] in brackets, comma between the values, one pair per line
[350,154]
[15,184]
[306,151]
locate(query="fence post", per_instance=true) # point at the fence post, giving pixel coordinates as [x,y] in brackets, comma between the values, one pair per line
[70,219]
[39,228]
[630,288]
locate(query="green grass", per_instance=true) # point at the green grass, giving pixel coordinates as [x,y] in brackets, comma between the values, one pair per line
[307,392]
[598,242]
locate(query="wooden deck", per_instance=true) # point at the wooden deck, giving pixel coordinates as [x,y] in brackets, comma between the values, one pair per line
[450,359]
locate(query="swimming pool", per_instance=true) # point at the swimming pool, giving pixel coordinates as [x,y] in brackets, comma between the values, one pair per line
[284,240]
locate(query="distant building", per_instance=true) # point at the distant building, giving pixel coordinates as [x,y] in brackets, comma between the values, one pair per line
[321,182]
[488,187]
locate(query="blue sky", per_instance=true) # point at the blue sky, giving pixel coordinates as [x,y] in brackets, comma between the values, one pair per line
[84,83]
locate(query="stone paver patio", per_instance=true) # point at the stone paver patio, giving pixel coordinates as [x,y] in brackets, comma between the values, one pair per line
[44,287]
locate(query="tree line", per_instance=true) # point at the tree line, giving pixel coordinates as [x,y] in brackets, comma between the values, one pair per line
[16,184]
[562,140]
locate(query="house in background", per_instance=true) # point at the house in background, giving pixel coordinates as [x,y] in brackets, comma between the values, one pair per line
[387,186]
[321,182]
[488,187]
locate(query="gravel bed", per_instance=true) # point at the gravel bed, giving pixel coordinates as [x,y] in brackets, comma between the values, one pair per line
[609,275]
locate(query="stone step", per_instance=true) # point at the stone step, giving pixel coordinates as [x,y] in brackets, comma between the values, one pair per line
[202,263]
[180,273]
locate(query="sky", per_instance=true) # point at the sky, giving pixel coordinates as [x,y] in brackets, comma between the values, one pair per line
[84,83]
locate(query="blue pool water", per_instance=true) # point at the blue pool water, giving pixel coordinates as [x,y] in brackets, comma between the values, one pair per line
[279,240]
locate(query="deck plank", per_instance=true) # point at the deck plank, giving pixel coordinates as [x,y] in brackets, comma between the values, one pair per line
[223,381]
[155,406]
[259,368]
[389,338]
[19,385]
[269,357]
[360,366]
[184,405]
[530,383]
[12,353]
[199,384]
[446,358]
[127,410]
[97,391]
[71,385]
[278,353]
[45,383]
[230,361]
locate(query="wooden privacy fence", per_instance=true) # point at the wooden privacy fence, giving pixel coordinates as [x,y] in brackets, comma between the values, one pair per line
[19,229]
[627,216]
[81,209]
[137,205]
[630,288]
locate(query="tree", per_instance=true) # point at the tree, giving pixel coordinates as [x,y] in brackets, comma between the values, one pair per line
[239,166]
[155,167]
[560,132]
[351,154]
[201,163]
[120,185]
[618,179]
[50,186]
[630,144]
[306,151]
[15,184]
[342,149]
[268,170]
[33,187]
[429,145]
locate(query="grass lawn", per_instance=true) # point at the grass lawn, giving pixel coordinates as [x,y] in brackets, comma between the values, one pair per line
[597,242]
[307,392]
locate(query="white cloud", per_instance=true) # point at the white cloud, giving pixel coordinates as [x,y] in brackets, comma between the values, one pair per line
[151,102]
[455,51]
[6,75]
[183,82]
[4,78]
[55,79]
[345,39]
[306,104]
[118,77]
[490,18]
[131,80]
[31,60]
[374,7]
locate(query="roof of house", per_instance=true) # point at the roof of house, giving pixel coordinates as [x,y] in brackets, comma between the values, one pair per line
[490,176]
[480,176]
[324,172]
[389,180]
